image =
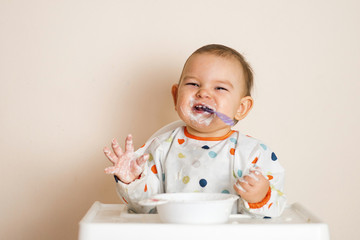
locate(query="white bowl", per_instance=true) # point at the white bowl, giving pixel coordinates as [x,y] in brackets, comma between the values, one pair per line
[189,208]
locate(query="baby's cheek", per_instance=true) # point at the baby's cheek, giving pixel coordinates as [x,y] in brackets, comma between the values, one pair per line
[265,183]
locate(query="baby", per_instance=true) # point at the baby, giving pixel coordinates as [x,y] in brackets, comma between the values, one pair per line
[205,155]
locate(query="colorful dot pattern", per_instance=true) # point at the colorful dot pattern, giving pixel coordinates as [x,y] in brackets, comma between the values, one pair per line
[209,149]
[205,150]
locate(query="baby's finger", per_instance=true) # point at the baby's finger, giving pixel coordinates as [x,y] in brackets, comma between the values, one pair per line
[254,176]
[238,188]
[111,170]
[110,155]
[129,146]
[244,184]
[142,160]
[116,148]
[250,180]
[259,175]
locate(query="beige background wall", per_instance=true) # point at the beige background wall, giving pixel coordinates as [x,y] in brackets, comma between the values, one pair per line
[74,74]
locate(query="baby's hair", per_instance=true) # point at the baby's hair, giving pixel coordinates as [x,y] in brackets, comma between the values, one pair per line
[223,51]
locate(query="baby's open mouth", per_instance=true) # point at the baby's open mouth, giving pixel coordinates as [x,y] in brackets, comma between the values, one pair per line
[199,108]
[209,113]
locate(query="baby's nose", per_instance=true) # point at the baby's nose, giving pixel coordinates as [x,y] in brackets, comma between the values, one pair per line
[203,93]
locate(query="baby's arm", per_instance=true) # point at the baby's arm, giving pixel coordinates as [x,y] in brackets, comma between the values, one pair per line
[261,188]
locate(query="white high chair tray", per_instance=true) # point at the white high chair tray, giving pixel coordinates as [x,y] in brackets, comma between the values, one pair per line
[112,221]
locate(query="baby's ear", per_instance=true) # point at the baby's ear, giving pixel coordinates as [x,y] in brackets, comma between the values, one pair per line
[246,104]
[174,92]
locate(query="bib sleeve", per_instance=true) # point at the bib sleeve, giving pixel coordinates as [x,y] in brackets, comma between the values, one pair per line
[260,155]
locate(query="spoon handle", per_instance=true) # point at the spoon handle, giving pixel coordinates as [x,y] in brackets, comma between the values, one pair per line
[227,120]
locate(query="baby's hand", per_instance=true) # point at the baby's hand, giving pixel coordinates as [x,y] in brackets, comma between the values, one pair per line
[126,166]
[253,187]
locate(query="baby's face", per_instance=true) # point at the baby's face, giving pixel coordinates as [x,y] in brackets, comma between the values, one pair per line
[213,82]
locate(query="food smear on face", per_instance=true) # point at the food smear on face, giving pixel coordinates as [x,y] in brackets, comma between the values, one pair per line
[203,114]
[227,120]
[200,113]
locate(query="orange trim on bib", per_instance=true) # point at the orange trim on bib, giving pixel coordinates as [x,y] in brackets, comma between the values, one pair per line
[263,202]
[187,134]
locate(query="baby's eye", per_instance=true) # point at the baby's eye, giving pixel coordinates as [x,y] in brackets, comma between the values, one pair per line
[192,84]
[221,88]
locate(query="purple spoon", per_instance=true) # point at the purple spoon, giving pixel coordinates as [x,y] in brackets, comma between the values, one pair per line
[227,120]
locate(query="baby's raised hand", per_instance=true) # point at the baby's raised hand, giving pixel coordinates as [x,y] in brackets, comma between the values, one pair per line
[126,166]
[252,187]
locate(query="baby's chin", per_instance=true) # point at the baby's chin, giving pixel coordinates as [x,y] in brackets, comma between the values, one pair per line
[202,120]
[201,123]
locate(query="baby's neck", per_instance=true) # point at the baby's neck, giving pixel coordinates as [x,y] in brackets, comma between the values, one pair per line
[208,133]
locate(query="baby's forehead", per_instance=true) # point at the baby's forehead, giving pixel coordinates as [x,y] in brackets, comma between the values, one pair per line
[201,59]
[208,55]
